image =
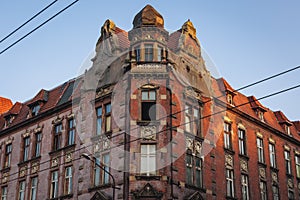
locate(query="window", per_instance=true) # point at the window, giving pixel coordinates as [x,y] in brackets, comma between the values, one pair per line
[260,150]
[242,141]
[288,129]
[35,110]
[57,137]
[245,187]
[159,53]
[4,193]
[192,120]
[105,175]
[148,105]
[107,117]
[54,185]
[291,194]
[22,190]
[8,150]
[229,183]
[99,121]
[71,132]
[272,155]
[193,170]
[148,159]
[97,170]
[287,158]
[26,144]
[68,180]
[297,162]
[38,143]
[263,190]
[33,188]
[261,116]
[275,192]
[227,136]
[137,52]
[230,99]
[148,52]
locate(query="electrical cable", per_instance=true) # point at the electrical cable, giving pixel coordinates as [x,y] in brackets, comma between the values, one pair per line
[33,17]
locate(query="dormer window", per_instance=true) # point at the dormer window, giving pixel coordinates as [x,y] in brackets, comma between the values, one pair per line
[230,99]
[35,110]
[288,129]
[260,115]
[8,120]
[148,52]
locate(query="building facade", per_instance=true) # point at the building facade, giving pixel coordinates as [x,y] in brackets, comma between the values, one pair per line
[147,121]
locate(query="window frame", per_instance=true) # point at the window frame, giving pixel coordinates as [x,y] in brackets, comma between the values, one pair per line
[227,135]
[146,158]
[57,137]
[147,103]
[71,132]
[26,148]
[22,190]
[245,187]
[272,155]
[68,180]
[242,141]
[7,156]
[193,169]
[148,52]
[54,183]
[260,150]
[37,144]
[33,188]
[287,162]
[4,192]
[263,190]
[230,190]
[276,194]
[297,165]
[107,119]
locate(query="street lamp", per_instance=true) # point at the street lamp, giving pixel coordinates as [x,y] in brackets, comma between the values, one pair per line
[86,156]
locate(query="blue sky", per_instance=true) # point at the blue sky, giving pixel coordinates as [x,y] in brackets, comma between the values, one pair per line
[247,41]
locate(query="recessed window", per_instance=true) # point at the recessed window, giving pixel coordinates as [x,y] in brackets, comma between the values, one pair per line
[242,141]
[100,176]
[68,180]
[159,53]
[99,121]
[275,192]
[107,117]
[287,158]
[26,145]
[227,135]
[57,137]
[193,170]
[148,52]
[148,159]
[297,162]
[288,129]
[291,194]
[263,190]
[230,99]
[71,132]
[106,163]
[7,158]
[137,52]
[4,193]
[54,185]
[260,116]
[245,187]
[38,144]
[21,190]
[148,108]
[272,155]
[260,150]
[229,183]
[33,188]
[35,110]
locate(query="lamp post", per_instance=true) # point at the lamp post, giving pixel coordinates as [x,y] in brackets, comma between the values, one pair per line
[86,156]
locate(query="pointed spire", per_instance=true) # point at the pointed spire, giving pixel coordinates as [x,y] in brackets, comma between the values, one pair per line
[148,16]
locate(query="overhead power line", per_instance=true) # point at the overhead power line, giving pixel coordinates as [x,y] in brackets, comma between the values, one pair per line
[42,24]
[29,20]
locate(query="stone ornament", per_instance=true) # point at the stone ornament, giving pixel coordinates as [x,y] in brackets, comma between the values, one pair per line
[68,157]
[194,146]
[290,183]
[5,177]
[35,168]
[101,144]
[262,173]
[54,162]
[274,177]
[22,171]
[148,132]
[228,160]
[244,165]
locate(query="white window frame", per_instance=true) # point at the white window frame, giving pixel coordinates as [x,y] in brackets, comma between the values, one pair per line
[33,188]
[245,187]
[260,150]
[272,153]
[148,159]
[54,184]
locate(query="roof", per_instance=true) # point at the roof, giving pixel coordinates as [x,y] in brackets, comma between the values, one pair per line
[148,16]
[5,104]
[282,118]
[255,104]
[224,85]
[14,110]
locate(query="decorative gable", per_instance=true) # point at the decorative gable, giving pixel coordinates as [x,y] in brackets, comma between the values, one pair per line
[100,196]
[195,196]
[147,192]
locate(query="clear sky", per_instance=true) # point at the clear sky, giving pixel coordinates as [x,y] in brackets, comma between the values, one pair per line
[247,41]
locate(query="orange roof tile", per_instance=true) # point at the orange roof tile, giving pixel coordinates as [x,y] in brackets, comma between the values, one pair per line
[5,104]
[281,117]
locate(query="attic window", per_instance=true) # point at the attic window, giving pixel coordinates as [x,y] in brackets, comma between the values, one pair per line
[8,120]
[230,99]
[261,116]
[35,110]
[287,129]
